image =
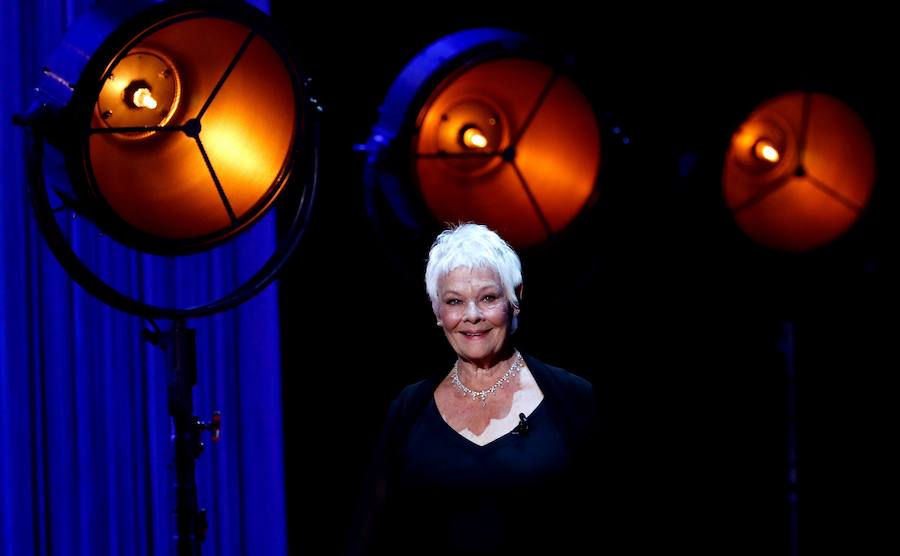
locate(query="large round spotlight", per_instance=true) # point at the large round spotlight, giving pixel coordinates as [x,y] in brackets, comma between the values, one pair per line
[799,171]
[183,127]
[483,126]
[178,127]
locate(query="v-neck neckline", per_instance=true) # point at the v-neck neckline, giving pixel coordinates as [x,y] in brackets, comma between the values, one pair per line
[500,440]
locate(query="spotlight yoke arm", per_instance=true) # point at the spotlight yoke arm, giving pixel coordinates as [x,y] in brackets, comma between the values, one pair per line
[84,276]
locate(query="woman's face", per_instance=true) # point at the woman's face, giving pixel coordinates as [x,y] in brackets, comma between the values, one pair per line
[475,314]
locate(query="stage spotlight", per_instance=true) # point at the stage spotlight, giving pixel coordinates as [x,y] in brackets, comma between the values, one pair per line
[799,171]
[180,125]
[484,126]
[180,128]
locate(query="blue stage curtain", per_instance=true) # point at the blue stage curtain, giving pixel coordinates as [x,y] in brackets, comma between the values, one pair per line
[85,456]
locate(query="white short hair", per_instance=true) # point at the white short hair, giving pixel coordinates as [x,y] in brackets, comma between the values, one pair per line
[472,246]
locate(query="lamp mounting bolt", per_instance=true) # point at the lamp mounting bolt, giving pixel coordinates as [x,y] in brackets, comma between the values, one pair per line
[192,128]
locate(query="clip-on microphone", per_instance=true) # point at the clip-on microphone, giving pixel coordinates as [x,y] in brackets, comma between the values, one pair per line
[522,427]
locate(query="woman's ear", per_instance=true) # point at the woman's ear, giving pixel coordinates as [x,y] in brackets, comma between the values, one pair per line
[519,292]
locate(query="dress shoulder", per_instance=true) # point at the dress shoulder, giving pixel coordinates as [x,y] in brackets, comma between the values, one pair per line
[562,381]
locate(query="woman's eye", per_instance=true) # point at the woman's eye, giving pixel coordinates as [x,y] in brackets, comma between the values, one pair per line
[453,302]
[489,298]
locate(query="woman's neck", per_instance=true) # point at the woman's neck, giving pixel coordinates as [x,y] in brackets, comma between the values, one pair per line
[485,370]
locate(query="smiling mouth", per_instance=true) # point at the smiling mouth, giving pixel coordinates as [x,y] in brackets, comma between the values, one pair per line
[474,334]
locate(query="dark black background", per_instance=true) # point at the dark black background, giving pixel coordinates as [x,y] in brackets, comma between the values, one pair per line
[678,319]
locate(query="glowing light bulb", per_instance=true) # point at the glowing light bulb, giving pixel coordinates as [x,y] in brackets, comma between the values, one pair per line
[474,139]
[142,90]
[142,98]
[765,150]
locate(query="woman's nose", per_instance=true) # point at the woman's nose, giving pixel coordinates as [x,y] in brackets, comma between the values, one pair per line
[473,313]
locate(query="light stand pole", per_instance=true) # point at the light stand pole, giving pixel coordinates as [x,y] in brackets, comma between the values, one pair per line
[787,347]
[180,345]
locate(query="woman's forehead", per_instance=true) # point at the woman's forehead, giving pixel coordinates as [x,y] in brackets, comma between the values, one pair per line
[480,276]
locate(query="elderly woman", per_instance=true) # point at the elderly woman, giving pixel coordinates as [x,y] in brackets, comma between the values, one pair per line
[492,456]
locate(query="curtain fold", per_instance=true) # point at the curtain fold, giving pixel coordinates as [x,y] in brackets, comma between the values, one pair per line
[85,456]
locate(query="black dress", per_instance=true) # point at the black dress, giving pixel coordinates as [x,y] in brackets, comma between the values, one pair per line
[432,491]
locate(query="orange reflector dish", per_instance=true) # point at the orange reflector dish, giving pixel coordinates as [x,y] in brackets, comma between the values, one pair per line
[799,171]
[193,131]
[541,156]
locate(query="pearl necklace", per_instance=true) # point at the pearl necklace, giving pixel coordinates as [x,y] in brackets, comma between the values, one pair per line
[483,394]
